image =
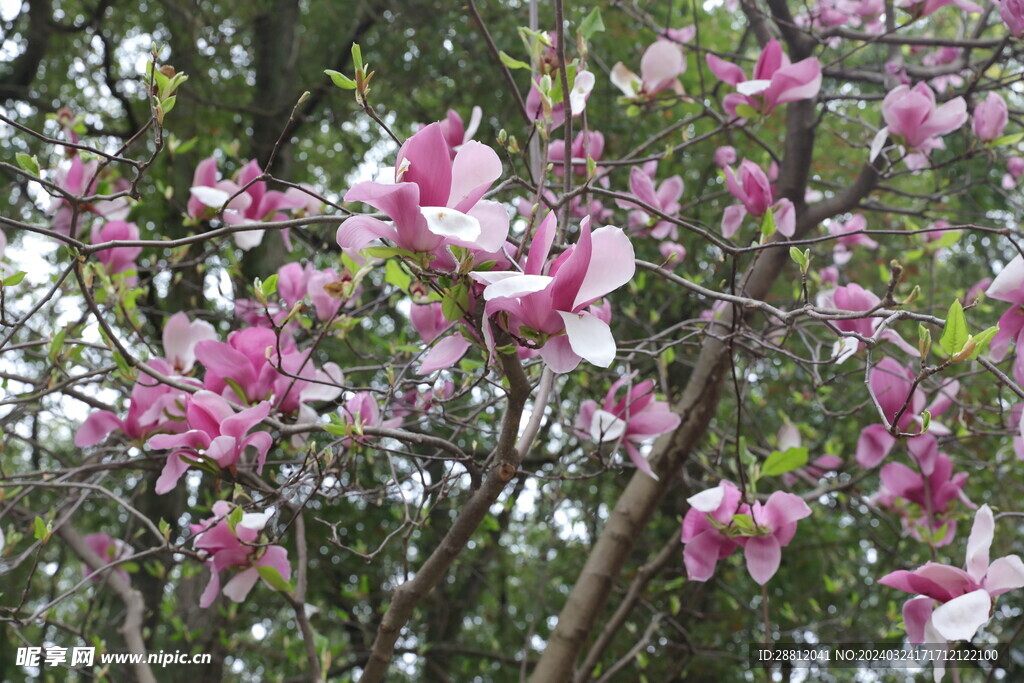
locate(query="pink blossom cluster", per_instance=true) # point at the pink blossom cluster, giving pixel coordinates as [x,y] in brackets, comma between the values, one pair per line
[631,420]
[719,521]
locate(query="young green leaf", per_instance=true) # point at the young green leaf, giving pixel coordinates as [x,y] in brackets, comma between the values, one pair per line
[27,163]
[592,24]
[511,62]
[341,80]
[780,462]
[274,578]
[954,334]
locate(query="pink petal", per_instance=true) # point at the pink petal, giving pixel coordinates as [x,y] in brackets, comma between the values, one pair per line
[979,542]
[169,476]
[612,265]
[559,356]
[1009,284]
[239,586]
[873,444]
[785,508]
[702,552]
[763,556]
[725,71]
[430,166]
[1004,574]
[916,613]
[732,219]
[476,166]
[444,354]
[97,427]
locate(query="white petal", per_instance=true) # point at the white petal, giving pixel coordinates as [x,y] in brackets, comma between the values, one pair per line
[752,87]
[451,223]
[257,520]
[589,337]
[625,80]
[581,88]
[707,501]
[516,286]
[210,196]
[878,143]
[474,124]
[960,618]
[979,542]
[248,239]
[844,348]
[606,427]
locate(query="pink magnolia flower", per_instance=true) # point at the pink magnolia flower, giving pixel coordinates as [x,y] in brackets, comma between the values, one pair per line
[990,117]
[455,133]
[548,302]
[853,297]
[180,339]
[912,116]
[954,603]
[633,419]
[110,550]
[237,547]
[81,179]
[1009,287]
[1012,13]
[924,498]
[434,202]
[215,434]
[843,250]
[775,81]
[664,198]
[892,386]
[756,196]
[672,252]
[153,407]
[117,259]
[255,204]
[922,8]
[660,68]
[586,144]
[1014,170]
[712,531]
[254,365]
[361,410]
[429,321]
[579,93]
[725,156]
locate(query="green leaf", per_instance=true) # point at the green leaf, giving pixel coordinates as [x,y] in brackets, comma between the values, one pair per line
[41,530]
[947,240]
[168,104]
[387,252]
[954,334]
[511,62]
[27,163]
[357,57]
[12,280]
[57,343]
[269,286]
[780,462]
[455,302]
[981,341]
[744,524]
[592,24]
[395,275]
[234,518]
[798,257]
[165,529]
[274,578]
[746,111]
[341,80]
[768,224]
[1008,140]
